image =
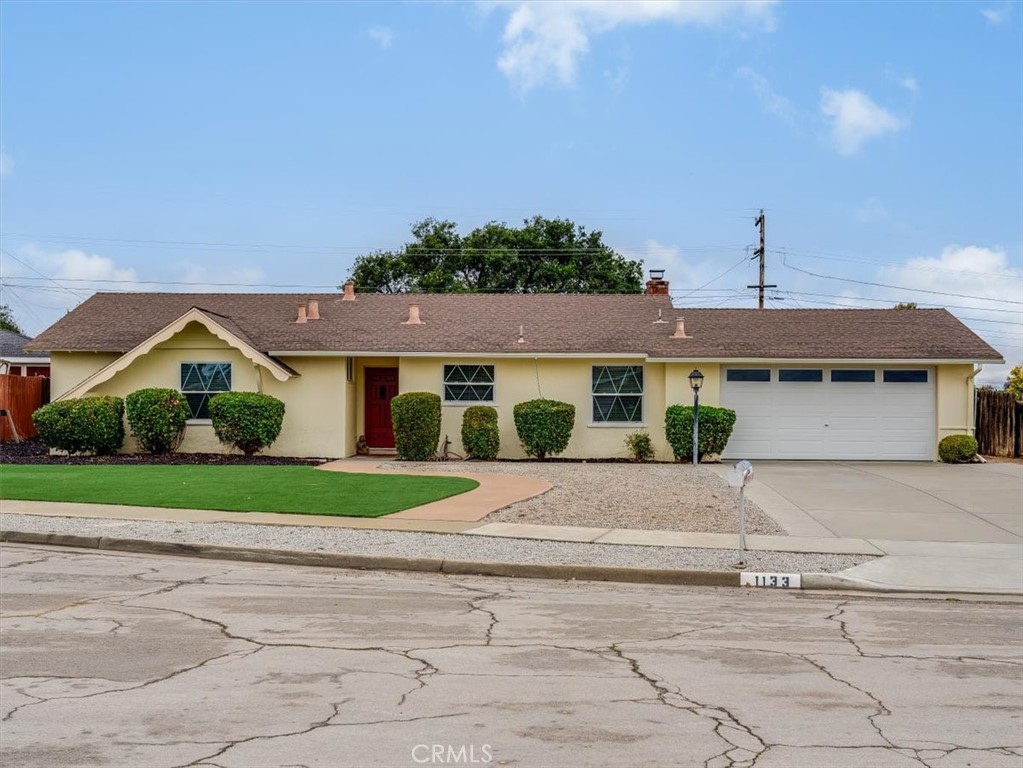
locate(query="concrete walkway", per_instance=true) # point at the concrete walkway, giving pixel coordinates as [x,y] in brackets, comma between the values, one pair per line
[792,493]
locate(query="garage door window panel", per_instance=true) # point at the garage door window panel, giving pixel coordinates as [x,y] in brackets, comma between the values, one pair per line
[809,375]
[853,376]
[748,374]
[905,376]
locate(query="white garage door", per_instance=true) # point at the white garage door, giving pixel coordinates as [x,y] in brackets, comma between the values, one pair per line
[830,412]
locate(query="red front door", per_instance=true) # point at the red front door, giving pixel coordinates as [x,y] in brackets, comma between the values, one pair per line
[381,387]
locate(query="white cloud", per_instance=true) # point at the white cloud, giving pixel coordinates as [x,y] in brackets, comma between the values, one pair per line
[543,42]
[722,277]
[772,102]
[998,14]
[382,36]
[909,83]
[5,163]
[855,119]
[971,271]
[871,210]
[83,271]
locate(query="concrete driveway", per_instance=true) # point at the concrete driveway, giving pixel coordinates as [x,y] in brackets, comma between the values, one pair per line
[899,501]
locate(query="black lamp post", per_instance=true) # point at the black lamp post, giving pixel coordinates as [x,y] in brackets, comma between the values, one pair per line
[696,381]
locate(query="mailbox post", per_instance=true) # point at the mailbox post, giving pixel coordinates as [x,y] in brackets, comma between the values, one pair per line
[741,476]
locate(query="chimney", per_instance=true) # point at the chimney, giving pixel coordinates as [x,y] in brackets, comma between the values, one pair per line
[413,315]
[656,285]
[680,329]
[349,294]
[301,314]
[314,309]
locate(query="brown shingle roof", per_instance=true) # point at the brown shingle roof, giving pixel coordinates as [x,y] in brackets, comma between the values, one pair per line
[551,323]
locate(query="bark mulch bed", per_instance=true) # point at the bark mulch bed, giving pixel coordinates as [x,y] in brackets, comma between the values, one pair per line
[34,452]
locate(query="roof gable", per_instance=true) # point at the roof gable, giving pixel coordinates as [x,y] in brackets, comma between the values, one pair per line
[214,325]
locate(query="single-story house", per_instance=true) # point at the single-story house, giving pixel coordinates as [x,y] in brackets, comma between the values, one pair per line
[16,361]
[805,383]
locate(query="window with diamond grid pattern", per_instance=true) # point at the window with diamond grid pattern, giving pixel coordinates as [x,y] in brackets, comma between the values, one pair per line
[618,394]
[469,383]
[200,382]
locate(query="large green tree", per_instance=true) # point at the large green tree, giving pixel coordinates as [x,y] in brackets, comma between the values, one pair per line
[7,321]
[542,256]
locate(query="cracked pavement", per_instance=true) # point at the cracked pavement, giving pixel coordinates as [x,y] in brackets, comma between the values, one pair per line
[136,660]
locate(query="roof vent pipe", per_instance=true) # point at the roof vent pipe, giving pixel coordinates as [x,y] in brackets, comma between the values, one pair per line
[301,314]
[680,329]
[413,315]
[349,294]
[314,309]
[660,317]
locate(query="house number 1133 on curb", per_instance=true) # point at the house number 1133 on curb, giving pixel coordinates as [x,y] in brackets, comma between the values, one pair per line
[772,580]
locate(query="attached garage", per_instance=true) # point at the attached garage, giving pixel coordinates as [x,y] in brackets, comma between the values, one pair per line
[831,412]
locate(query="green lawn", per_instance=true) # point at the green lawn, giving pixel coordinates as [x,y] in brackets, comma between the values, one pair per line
[299,490]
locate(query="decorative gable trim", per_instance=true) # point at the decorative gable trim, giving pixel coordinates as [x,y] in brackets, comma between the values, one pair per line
[194,315]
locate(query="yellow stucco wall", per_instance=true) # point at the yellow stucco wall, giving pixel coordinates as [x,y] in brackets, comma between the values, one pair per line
[315,401]
[325,411]
[69,368]
[955,395]
[567,379]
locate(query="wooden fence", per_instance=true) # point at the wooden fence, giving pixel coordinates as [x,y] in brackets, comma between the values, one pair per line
[999,424]
[20,396]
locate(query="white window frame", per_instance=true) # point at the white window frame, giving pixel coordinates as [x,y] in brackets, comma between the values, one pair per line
[641,395]
[492,384]
[184,391]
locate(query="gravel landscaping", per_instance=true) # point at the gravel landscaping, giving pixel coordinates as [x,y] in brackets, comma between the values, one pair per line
[432,545]
[662,497]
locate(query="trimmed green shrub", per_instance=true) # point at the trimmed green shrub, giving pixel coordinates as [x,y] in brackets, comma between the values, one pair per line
[544,427]
[157,418]
[416,420]
[640,446]
[957,449]
[481,436]
[715,428]
[249,421]
[82,425]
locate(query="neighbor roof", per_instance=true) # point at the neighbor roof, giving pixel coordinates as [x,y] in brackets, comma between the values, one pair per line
[12,345]
[482,324]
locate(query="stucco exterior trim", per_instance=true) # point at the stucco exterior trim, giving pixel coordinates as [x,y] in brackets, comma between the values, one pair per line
[194,315]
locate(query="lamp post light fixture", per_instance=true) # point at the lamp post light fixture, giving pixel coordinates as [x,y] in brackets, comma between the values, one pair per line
[696,381]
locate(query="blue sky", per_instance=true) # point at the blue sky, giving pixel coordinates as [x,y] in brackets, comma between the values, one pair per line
[269,144]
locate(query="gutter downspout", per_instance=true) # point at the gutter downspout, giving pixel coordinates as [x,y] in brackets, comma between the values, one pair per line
[971,400]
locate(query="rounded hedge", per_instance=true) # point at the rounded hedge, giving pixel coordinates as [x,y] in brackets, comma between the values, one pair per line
[544,427]
[481,435]
[416,420]
[82,425]
[957,449]
[157,418]
[250,421]
[715,428]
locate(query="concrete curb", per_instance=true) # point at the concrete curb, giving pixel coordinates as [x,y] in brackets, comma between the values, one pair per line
[838,582]
[691,578]
[362,562]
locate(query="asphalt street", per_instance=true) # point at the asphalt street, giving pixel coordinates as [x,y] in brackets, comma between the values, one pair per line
[136,660]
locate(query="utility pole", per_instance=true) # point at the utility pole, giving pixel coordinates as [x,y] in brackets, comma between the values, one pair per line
[760,253]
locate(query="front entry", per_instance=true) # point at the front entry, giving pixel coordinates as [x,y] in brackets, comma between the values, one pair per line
[381,388]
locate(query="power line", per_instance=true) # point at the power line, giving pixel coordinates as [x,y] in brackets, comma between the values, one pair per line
[896,287]
[817,255]
[889,301]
